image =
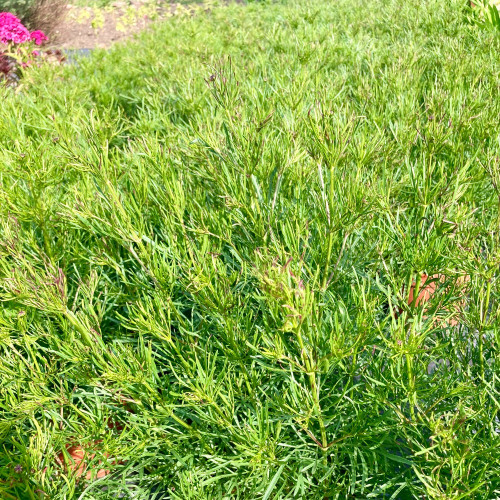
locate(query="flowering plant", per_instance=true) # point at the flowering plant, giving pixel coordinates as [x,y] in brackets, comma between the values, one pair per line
[13,31]
[15,43]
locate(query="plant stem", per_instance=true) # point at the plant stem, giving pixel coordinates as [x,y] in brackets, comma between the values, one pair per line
[314,388]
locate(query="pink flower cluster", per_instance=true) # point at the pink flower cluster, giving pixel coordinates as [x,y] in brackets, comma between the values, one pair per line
[13,31]
[38,37]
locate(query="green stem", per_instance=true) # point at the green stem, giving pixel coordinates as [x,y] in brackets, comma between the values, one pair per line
[354,361]
[409,361]
[328,257]
[330,232]
[194,432]
[484,315]
[314,388]
[411,386]
[83,331]
[416,291]
[46,243]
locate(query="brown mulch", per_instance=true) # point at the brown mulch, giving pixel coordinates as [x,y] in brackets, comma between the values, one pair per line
[71,34]
[86,28]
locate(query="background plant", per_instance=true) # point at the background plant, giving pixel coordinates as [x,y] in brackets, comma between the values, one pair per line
[44,15]
[18,7]
[47,16]
[204,238]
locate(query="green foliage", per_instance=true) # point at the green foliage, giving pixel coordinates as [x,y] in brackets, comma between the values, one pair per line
[18,7]
[205,235]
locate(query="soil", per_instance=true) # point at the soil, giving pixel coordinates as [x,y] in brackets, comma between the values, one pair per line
[88,28]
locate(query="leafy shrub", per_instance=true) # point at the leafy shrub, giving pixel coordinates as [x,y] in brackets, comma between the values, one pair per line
[19,8]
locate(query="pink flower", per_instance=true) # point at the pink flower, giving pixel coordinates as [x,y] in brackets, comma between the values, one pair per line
[8,18]
[11,29]
[38,36]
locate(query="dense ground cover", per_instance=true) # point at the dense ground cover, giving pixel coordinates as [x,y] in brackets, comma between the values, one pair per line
[207,243]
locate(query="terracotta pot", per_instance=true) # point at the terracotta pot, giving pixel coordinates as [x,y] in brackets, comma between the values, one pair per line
[77,458]
[78,461]
[426,292]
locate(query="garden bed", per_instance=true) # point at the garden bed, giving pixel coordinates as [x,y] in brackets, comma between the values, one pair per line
[90,25]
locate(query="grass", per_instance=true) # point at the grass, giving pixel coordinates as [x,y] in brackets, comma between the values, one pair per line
[205,235]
